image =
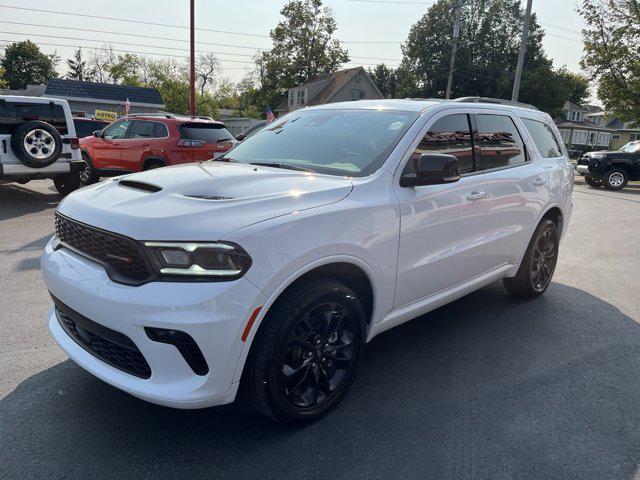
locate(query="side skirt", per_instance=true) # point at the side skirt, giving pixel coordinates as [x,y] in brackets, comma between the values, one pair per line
[413,310]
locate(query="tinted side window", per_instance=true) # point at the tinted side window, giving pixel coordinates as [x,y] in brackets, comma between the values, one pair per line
[85,128]
[543,137]
[500,142]
[117,130]
[14,113]
[450,135]
[206,132]
[160,130]
[141,129]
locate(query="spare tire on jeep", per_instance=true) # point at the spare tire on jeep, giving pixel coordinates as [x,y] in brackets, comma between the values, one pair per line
[36,144]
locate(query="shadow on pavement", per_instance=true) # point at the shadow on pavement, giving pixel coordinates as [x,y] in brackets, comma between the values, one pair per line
[16,201]
[486,387]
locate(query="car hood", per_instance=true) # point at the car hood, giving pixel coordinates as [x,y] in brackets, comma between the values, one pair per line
[199,201]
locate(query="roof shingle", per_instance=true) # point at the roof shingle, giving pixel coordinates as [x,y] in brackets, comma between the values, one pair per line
[103,91]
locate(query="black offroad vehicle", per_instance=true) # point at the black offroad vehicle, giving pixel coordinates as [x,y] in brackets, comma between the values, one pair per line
[611,170]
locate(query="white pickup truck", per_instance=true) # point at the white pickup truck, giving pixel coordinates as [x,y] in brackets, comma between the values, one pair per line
[38,140]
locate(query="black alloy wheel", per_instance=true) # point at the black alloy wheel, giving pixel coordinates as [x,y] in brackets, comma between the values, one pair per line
[544,260]
[318,354]
[306,352]
[539,263]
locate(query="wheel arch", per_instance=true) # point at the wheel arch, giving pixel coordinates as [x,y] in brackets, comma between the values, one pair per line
[352,271]
[151,159]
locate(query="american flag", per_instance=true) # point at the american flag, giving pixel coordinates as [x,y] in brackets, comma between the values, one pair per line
[127,107]
[270,116]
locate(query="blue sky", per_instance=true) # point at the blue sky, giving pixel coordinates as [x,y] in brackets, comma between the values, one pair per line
[357,22]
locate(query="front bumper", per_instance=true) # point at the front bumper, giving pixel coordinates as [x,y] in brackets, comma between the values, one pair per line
[213,314]
[583,169]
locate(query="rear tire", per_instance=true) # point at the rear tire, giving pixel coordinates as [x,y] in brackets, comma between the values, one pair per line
[539,263]
[67,183]
[88,174]
[616,179]
[306,352]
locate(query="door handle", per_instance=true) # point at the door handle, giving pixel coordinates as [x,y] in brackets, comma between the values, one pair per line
[144,145]
[476,195]
[539,181]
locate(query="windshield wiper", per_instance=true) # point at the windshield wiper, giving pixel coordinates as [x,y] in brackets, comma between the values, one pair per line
[222,159]
[282,165]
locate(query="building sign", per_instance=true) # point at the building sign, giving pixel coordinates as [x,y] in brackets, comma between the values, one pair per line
[107,115]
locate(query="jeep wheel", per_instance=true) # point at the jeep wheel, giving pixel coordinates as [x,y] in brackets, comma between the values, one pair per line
[36,144]
[592,182]
[67,183]
[616,179]
[538,264]
[305,354]
[88,174]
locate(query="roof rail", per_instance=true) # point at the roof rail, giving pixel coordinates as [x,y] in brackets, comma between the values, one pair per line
[163,115]
[498,101]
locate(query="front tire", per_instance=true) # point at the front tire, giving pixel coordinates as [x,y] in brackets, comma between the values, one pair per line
[305,355]
[616,179]
[592,182]
[539,263]
[67,183]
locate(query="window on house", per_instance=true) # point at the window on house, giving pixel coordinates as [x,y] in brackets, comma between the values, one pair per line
[300,97]
[357,94]
[291,99]
[604,138]
[615,137]
[634,136]
[593,138]
[579,137]
[565,135]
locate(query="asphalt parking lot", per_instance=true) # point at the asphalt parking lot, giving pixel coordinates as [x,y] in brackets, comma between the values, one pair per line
[486,387]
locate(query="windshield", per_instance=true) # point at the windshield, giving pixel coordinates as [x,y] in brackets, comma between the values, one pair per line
[336,142]
[630,147]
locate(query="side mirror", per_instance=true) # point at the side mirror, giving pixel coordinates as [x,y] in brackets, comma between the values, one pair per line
[432,169]
[240,137]
[97,134]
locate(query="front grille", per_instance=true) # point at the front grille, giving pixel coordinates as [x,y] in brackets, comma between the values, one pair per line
[110,346]
[121,256]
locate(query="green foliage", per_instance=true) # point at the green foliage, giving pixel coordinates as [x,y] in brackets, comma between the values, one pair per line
[486,59]
[3,83]
[78,68]
[126,70]
[385,79]
[24,64]
[303,46]
[611,54]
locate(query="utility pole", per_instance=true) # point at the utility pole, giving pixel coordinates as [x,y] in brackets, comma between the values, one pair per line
[523,47]
[192,64]
[454,47]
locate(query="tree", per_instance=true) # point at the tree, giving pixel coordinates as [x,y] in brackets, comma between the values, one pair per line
[126,70]
[77,68]
[611,54]
[385,79]
[207,69]
[24,64]
[303,46]
[3,83]
[487,54]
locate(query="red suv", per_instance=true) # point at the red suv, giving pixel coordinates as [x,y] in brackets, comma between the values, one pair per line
[142,142]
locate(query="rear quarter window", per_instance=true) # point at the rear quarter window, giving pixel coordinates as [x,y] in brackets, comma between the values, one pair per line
[15,113]
[85,128]
[543,137]
[205,132]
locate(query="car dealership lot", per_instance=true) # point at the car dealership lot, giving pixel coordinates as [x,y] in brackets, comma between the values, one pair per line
[486,387]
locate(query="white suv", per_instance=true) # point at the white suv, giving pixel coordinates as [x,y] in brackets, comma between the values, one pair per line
[266,271]
[38,140]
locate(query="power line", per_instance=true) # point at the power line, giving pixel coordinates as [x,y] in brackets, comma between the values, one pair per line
[139,22]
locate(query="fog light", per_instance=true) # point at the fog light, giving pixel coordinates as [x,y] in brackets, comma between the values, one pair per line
[186,345]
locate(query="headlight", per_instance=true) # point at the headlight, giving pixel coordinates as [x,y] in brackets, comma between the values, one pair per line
[597,157]
[213,261]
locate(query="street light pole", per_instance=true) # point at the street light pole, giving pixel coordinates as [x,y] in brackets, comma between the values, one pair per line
[523,48]
[454,47]
[192,63]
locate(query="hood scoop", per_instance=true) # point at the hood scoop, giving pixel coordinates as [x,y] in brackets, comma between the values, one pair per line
[209,197]
[145,187]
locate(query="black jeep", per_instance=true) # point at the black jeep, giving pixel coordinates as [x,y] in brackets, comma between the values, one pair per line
[611,170]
